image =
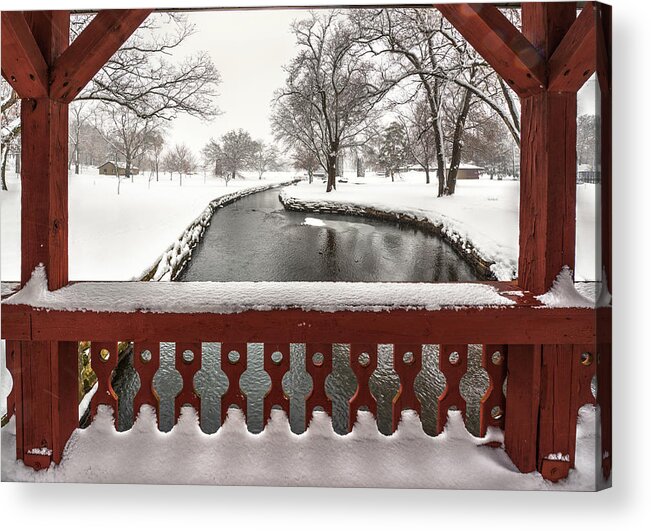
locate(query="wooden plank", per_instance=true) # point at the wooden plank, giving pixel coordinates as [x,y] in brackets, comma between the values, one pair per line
[188,363]
[23,65]
[233,363]
[318,364]
[453,362]
[276,365]
[407,362]
[547,189]
[575,59]
[512,325]
[103,361]
[65,388]
[500,43]
[44,197]
[146,360]
[88,53]
[363,362]
[522,404]
[493,403]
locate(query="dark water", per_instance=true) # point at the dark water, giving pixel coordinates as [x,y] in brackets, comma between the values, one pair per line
[255,239]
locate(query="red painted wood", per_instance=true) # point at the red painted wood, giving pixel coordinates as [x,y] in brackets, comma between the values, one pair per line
[12,354]
[65,386]
[318,369]
[493,403]
[512,325]
[605,401]
[548,160]
[557,424]
[37,426]
[276,369]
[575,59]
[407,362]
[363,362]
[146,367]
[92,49]
[103,366]
[234,371]
[453,362]
[188,363]
[490,33]
[23,65]
[522,405]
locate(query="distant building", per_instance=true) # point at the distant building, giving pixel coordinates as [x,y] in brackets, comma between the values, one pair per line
[108,168]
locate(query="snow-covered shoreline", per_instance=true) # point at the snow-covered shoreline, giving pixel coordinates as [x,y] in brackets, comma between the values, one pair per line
[481,220]
[171,263]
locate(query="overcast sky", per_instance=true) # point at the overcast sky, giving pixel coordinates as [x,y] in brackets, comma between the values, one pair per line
[249,48]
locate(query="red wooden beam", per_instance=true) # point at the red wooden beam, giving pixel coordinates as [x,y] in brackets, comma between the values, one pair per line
[575,59]
[500,43]
[88,53]
[501,325]
[23,65]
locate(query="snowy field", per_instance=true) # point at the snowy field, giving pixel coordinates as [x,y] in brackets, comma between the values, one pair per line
[117,237]
[319,457]
[483,212]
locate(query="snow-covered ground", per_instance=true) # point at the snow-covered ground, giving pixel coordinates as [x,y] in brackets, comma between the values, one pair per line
[482,212]
[117,237]
[319,457]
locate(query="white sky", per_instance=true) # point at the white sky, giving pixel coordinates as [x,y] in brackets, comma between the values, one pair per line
[249,48]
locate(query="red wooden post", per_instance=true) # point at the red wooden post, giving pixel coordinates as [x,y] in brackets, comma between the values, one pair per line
[493,403]
[188,363]
[48,375]
[407,362]
[146,360]
[276,364]
[604,348]
[233,363]
[318,364]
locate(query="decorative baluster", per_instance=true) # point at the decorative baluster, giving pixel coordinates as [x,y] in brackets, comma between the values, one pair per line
[453,361]
[233,363]
[318,364]
[276,364]
[146,360]
[188,363]
[407,362]
[493,403]
[363,361]
[103,361]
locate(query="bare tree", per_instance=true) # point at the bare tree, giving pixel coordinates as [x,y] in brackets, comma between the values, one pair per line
[393,152]
[79,115]
[10,126]
[418,128]
[265,158]
[141,77]
[156,144]
[329,100]
[128,134]
[238,149]
[304,159]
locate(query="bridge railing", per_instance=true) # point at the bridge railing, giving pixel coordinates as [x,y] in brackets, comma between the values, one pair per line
[512,334]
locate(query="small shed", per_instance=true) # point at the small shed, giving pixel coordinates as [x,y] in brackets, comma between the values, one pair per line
[108,168]
[468,171]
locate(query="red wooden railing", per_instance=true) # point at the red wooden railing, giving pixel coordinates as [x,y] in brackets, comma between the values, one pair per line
[508,334]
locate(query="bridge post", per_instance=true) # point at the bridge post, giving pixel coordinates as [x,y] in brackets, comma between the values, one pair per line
[45,372]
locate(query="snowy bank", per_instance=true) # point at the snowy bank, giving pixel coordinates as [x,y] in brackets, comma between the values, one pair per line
[117,237]
[171,263]
[319,457]
[480,220]
[233,297]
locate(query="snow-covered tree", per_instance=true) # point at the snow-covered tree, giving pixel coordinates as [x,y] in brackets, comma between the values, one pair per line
[305,159]
[265,158]
[9,125]
[394,153]
[238,150]
[329,102]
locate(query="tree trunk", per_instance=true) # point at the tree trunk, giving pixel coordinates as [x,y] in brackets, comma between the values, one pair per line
[309,176]
[332,173]
[427,174]
[360,167]
[457,144]
[77,159]
[4,169]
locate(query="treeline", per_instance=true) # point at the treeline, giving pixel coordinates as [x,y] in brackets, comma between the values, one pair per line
[366,81]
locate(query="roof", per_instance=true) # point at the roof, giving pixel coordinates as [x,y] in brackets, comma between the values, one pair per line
[121,165]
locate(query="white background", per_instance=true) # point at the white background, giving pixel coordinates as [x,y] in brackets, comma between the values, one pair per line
[626,505]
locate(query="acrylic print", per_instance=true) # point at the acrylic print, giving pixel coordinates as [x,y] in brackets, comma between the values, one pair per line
[343,247]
